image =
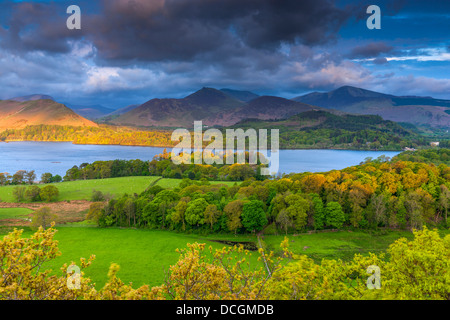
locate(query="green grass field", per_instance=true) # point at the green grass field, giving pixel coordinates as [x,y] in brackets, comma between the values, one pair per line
[339,245]
[13,213]
[82,189]
[143,255]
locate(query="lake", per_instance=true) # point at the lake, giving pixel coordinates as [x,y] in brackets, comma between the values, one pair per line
[58,157]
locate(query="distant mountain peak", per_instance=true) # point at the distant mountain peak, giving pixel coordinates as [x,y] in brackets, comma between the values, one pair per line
[32,97]
[212,97]
[357,92]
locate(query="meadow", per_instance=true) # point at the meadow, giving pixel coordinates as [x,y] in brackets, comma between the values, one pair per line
[145,255]
[82,189]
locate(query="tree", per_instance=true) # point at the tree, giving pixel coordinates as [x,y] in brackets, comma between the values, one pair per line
[18,177]
[32,193]
[19,193]
[335,217]
[297,208]
[212,215]
[56,178]
[444,201]
[284,221]
[253,216]
[46,177]
[30,176]
[195,212]
[179,213]
[96,212]
[42,217]
[233,210]
[318,211]
[49,193]
[3,179]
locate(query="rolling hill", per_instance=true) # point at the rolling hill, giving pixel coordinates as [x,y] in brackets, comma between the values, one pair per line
[321,129]
[411,109]
[18,115]
[213,107]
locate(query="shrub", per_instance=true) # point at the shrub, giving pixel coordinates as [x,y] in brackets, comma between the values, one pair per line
[19,193]
[49,193]
[33,193]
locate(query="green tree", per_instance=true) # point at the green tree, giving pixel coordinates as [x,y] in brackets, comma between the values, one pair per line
[42,217]
[49,193]
[46,177]
[195,212]
[233,210]
[19,193]
[212,215]
[96,212]
[56,178]
[253,216]
[319,211]
[335,217]
[297,210]
[33,193]
[284,221]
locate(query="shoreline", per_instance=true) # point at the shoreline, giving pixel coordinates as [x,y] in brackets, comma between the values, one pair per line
[165,146]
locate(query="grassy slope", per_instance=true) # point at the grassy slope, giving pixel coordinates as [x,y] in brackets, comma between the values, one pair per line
[14,213]
[143,255]
[339,245]
[82,189]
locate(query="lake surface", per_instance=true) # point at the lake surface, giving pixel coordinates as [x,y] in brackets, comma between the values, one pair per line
[58,157]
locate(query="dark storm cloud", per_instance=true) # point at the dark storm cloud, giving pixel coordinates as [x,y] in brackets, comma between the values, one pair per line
[370,50]
[35,27]
[175,29]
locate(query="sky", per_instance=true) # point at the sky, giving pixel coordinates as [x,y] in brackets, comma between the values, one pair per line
[130,51]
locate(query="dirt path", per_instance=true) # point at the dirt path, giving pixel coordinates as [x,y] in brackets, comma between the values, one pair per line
[72,206]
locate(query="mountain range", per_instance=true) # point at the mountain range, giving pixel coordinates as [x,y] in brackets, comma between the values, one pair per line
[226,107]
[214,107]
[411,109]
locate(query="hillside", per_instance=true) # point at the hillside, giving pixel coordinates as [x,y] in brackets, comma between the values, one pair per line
[321,129]
[245,96]
[213,107]
[90,112]
[32,97]
[18,115]
[411,109]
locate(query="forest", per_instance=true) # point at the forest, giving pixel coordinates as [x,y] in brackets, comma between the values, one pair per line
[379,193]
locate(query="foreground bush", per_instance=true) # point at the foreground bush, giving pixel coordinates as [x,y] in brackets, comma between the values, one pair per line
[417,269]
